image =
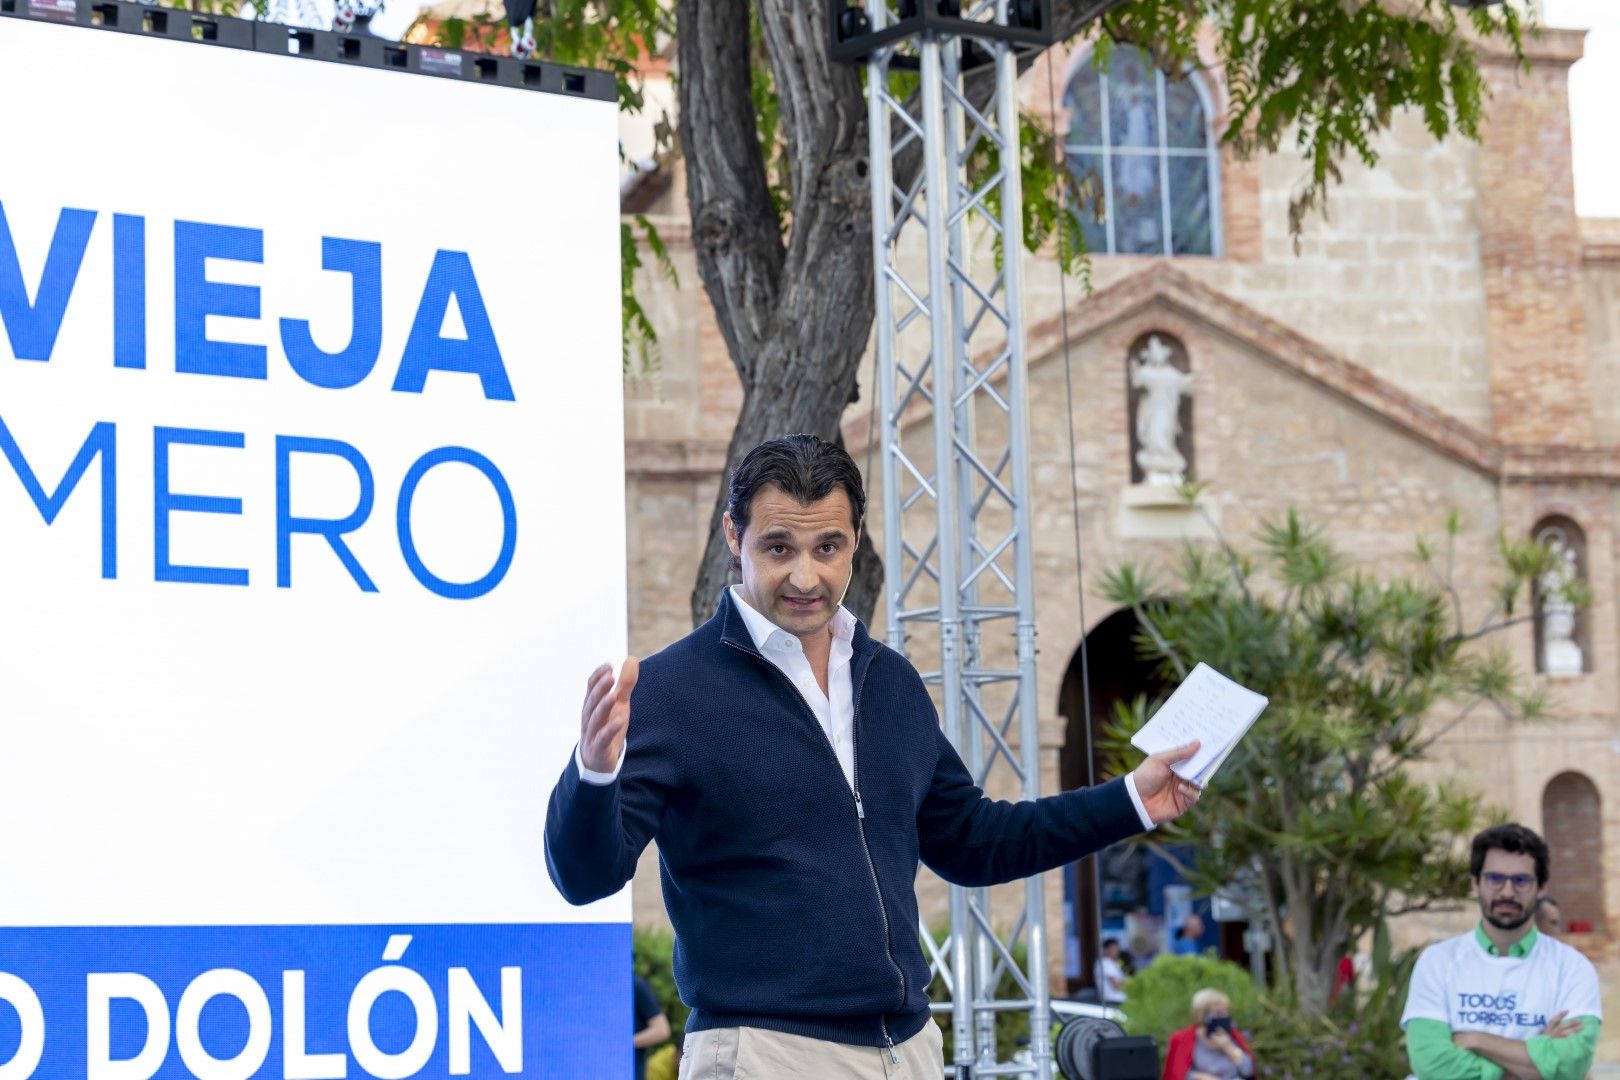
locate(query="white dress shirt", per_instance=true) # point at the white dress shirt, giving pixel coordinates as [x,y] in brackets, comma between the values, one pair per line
[834,710]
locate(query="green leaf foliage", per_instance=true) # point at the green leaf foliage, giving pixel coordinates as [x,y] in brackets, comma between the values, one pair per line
[1359,1037]
[1318,815]
[640,337]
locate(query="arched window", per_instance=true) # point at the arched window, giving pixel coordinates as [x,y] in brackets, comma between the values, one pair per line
[1144,139]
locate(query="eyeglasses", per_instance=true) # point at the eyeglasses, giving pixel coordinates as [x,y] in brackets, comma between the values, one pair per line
[1520,882]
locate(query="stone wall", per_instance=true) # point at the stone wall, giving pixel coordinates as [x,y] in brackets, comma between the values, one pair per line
[1530,248]
[1600,278]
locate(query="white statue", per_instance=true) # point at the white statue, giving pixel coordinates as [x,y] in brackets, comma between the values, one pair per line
[1560,655]
[1158,409]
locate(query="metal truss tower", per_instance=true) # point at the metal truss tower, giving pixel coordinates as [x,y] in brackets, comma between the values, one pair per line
[951,399]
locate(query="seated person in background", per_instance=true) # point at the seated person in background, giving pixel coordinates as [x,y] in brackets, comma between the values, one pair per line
[1549,917]
[1110,974]
[652,1026]
[1503,1000]
[1211,1049]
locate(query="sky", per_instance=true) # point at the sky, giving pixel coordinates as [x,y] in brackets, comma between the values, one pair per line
[1594,92]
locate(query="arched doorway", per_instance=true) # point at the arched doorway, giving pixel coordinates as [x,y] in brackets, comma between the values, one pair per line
[1117,673]
[1572,824]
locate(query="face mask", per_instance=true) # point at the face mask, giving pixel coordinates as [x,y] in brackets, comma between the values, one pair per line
[1218,1023]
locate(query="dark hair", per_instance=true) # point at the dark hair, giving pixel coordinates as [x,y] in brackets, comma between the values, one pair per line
[804,467]
[1107,941]
[1548,901]
[1514,839]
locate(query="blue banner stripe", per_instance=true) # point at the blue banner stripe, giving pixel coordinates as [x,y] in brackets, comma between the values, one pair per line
[218,1002]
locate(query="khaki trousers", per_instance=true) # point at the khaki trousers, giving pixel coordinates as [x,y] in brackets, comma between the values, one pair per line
[759,1054]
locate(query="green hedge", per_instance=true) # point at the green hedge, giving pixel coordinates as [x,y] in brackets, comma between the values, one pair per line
[1358,1039]
[1158,999]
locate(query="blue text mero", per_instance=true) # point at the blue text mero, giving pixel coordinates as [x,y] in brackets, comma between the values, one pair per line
[33,326]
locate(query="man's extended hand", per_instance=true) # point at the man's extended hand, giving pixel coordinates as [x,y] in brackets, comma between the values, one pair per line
[1166,796]
[606,716]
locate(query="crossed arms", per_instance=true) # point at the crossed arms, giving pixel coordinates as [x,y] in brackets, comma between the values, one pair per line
[1562,1051]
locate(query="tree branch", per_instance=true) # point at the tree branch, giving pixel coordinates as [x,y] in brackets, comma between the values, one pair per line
[1227,549]
[1159,640]
[1490,628]
[1422,747]
[735,230]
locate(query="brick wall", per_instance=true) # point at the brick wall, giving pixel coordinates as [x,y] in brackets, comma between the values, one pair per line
[1601,278]
[1530,248]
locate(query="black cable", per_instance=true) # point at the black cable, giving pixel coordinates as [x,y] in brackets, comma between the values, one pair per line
[1074,486]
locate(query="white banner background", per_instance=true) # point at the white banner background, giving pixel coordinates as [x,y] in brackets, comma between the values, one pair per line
[192,754]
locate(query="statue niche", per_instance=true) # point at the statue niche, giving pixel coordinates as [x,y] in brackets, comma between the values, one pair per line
[1561,646]
[1159,392]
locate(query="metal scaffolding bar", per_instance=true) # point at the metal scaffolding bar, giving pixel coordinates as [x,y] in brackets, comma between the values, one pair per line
[951,399]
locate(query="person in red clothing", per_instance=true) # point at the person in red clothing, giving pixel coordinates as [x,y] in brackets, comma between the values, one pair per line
[1344,980]
[1211,1049]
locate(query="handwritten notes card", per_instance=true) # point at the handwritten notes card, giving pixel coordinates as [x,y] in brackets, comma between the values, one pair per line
[1209,707]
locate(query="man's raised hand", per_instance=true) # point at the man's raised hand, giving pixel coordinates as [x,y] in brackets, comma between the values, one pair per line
[606,716]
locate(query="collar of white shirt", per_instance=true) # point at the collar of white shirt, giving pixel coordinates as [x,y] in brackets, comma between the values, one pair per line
[767,635]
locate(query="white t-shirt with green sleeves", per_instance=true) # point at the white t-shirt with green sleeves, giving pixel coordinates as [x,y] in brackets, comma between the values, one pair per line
[1464,985]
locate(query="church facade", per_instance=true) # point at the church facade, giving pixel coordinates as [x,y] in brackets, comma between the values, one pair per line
[1446,338]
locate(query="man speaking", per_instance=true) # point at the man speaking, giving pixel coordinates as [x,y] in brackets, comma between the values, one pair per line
[793,772]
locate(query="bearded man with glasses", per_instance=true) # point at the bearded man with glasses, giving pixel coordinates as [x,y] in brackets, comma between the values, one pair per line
[1503,1002]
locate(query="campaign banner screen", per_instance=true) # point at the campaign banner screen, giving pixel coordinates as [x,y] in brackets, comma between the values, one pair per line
[311,528]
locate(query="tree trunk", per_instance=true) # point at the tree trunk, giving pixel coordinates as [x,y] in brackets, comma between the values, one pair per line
[795,317]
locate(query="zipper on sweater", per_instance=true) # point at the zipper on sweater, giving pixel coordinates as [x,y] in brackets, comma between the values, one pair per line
[860,810]
[860,823]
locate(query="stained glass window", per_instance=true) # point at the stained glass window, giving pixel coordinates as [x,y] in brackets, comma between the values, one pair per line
[1142,138]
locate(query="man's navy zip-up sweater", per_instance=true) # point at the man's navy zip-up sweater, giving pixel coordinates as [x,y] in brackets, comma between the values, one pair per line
[791,896]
